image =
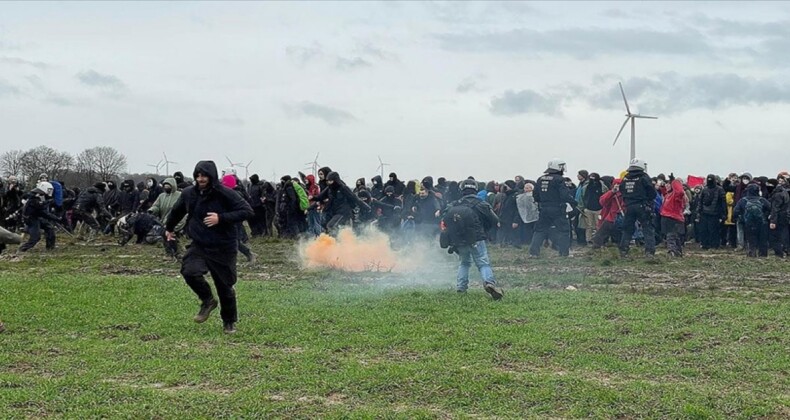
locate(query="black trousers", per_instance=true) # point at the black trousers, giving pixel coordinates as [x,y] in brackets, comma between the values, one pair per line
[756,238]
[87,218]
[779,239]
[553,224]
[258,222]
[222,266]
[644,215]
[605,231]
[674,231]
[34,228]
[709,236]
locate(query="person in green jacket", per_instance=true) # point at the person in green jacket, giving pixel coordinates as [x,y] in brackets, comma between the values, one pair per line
[161,209]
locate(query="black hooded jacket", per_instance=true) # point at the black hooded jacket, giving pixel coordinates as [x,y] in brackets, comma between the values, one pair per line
[377,190]
[179,177]
[712,199]
[128,197]
[216,198]
[112,198]
[256,191]
[91,200]
[780,206]
[322,182]
[394,182]
[342,200]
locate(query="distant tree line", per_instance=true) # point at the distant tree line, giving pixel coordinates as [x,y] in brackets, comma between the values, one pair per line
[92,165]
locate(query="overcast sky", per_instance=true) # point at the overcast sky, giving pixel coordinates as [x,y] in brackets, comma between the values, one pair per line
[446,89]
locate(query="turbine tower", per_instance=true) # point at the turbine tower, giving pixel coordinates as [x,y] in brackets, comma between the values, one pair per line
[381,167]
[630,117]
[167,164]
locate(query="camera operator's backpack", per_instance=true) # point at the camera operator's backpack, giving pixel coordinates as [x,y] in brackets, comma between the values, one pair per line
[461,224]
[753,214]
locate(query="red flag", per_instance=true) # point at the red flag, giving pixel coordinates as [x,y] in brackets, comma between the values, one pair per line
[693,181]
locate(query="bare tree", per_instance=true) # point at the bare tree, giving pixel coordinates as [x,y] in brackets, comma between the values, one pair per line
[45,160]
[11,162]
[100,163]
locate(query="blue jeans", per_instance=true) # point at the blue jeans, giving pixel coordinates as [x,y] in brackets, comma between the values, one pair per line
[479,253]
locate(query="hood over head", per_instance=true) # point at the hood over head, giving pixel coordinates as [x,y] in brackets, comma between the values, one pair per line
[376,180]
[360,182]
[389,189]
[753,190]
[179,176]
[333,176]
[172,182]
[100,186]
[511,184]
[255,179]
[285,178]
[111,185]
[310,179]
[427,182]
[325,170]
[207,168]
[710,180]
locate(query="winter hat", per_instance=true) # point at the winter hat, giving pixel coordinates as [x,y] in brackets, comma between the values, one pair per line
[229,181]
[285,178]
[746,175]
[584,174]
[393,175]
[511,185]
[99,186]
[389,189]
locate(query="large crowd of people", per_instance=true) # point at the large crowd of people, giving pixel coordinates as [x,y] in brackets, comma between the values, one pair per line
[738,211]
[554,210]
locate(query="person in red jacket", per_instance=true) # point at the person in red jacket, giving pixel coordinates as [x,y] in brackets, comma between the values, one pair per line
[673,222]
[611,207]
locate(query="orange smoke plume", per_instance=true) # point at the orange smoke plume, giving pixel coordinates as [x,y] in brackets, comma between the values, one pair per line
[371,252]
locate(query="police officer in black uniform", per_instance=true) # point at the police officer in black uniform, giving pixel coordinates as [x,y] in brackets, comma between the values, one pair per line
[639,196]
[552,196]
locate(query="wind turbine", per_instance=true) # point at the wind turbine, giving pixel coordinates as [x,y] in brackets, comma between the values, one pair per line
[156,167]
[167,163]
[313,166]
[630,117]
[381,167]
[247,170]
[233,165]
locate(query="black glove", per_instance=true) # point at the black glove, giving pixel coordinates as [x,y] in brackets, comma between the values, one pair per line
[671,176]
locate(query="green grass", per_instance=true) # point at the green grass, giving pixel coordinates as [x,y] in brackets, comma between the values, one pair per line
[106,332]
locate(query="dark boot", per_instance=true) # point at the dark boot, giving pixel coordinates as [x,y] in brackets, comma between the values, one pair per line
[229,327]
[205,311]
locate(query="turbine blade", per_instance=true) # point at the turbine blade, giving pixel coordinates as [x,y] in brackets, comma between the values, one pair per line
[645,116]
[624,100]
[229,161]
[621,130]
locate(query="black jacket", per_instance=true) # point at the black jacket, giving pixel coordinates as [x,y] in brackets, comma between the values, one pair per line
[341,200]
[508,213]
[712,201]
[488,219]
[216,198]
[552,191]
[37,209]
[256,192]
[637,189]
[91,200]
[780,206]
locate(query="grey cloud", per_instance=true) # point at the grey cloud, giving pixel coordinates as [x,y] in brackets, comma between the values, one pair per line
[330,115]
[7,89]
[304,55]
[351,63]
[578,43]
[525,102]
[470,84]
[59,100]
[477,13]
[237,122]
[94,79]
[22,62]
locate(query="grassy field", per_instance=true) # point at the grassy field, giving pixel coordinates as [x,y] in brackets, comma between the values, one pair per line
[104,331]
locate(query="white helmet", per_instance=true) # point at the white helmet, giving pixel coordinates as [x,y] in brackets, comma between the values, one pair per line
[557,165]
[45,188]
[638,164]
